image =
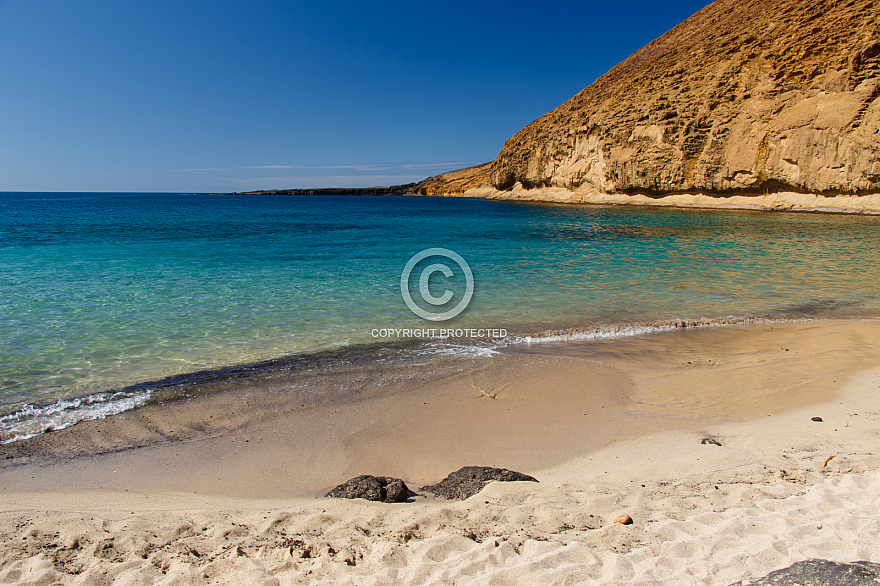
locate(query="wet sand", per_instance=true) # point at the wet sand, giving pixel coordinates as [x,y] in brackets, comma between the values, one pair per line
[593,421]
[512,411]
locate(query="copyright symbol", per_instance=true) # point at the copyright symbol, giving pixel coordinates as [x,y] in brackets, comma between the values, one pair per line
[424,290]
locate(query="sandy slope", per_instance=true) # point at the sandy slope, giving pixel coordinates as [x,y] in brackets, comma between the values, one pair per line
[704,514]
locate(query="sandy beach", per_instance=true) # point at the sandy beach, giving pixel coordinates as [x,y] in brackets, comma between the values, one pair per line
[289,295]
[785,201]
[779,488]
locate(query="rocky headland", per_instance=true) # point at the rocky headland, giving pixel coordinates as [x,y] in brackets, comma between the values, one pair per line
[755,103]
[767,104]
[456,182]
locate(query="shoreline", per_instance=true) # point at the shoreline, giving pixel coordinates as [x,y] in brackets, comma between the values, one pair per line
[866,204]
[585,391]
[27,421]
[780,488]
[778,201]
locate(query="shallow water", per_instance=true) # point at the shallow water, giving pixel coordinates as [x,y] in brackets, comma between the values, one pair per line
[102,291]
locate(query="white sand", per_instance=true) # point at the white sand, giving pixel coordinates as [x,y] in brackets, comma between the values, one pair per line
[703,515]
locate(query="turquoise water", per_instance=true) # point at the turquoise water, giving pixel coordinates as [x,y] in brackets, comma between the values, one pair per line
[101,291]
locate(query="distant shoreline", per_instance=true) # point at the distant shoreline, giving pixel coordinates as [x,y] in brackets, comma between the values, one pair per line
[781,201]
[405,189]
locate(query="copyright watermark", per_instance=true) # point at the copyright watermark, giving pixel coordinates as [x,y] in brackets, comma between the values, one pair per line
[438,310]
[438,333]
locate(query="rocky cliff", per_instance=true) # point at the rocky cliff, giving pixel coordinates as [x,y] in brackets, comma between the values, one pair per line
[745,97]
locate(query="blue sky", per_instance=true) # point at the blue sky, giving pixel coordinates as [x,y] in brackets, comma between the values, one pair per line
[121,95]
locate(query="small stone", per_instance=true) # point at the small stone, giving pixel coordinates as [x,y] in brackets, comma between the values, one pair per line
[710,441]
[818,419]
[624,520]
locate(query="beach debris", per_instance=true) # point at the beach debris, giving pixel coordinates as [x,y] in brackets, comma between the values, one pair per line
[711,441]
[623,520]
[470,480]
[817,419]
[819,572]
[828,459]
[372,488]
[795,477]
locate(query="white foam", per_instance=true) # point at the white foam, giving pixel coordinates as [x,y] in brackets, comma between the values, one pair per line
[32,420]
[463,350]
[623,331]
[467,351]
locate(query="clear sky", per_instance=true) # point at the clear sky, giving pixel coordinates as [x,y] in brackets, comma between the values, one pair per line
[156,95]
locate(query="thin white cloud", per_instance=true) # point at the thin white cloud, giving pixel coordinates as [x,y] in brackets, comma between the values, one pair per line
[362,168]
[373,167]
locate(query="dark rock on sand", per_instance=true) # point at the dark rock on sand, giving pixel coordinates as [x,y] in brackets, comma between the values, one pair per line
[470,480]
[710,440]
[372,488]
[820,573]
[816,419]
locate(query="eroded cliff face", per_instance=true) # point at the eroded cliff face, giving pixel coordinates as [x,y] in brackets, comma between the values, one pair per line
[744,96]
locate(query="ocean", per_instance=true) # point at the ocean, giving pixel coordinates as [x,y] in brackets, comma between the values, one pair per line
[107,298]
